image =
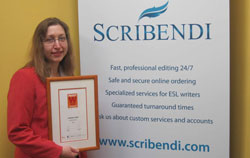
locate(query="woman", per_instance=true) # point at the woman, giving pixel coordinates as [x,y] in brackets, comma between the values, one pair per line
[51,54]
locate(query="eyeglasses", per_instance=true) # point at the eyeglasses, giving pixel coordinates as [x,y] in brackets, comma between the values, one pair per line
[51,41]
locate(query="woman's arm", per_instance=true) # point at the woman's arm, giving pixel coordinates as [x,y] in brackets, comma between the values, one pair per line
[21,104]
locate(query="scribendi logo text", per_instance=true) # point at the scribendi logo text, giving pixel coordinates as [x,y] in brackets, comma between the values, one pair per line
[149,30]
[154,11]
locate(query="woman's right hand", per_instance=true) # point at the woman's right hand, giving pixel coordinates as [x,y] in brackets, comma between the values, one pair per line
[69,152]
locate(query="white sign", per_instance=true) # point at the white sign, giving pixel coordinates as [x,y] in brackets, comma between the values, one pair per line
[163,69]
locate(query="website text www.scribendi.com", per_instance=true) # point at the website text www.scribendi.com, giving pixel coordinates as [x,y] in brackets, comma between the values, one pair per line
[175,145]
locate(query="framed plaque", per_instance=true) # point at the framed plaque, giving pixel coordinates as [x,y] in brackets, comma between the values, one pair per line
[73,111]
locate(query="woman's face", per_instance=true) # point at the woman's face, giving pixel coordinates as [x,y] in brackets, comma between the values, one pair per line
[55,44]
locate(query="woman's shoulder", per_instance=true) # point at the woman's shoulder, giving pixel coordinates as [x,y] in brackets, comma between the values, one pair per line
[25,73]
[27,70]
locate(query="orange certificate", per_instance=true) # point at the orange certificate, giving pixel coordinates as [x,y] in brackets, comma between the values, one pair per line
[73,111]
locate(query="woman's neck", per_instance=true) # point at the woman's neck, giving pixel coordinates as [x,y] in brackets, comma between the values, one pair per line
[54,70]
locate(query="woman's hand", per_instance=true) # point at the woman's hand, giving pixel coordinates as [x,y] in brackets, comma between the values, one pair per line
[69,152]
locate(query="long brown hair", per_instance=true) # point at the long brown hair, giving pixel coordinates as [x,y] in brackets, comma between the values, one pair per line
[38,59]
